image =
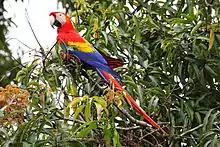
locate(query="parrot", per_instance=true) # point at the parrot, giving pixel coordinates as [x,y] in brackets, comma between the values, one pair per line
[78,47]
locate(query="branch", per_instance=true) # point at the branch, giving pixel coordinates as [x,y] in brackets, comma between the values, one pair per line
[13,58]
[131,118]
[28,20]
[191,130]
[129,128]
[49,52]
[210,4]
[150,133]
[69,119]
[44,67]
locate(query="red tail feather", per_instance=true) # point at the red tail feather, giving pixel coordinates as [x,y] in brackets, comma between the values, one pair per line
[112,62]
[131,100]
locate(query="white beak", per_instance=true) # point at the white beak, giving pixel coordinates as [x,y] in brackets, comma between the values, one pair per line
[52,20]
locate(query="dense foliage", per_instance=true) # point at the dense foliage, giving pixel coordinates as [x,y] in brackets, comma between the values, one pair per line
[9,65]
[171,53]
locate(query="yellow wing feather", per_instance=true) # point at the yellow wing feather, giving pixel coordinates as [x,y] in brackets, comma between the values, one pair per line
[82,46]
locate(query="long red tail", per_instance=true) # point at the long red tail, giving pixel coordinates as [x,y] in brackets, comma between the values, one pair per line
[131,100]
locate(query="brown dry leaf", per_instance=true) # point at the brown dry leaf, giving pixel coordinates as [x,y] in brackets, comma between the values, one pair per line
[13,99]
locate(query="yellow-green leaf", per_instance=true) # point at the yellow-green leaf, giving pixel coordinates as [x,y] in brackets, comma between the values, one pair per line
[212,38]
[96,25]
[99,110]
[78,110]
[115,30]
[102,102]
[33,83]
[75,101]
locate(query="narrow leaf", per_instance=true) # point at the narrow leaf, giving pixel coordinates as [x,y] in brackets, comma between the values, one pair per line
[78,110]
[88,112]
[212,38]
[195,28]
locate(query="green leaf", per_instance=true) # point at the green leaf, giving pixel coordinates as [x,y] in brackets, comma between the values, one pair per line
[198,117]
[77,111]
[102,102]
[3,131]
[210,70]
[196,28]
[116,139]
[113,43]
[154,80]
[206,120]
[84,131]
[88,112]
[137,30]
[140,92]
[33,83]
[202,38]
[40,143]
[151,21]
[189,110]
[214,141]
[145,64]
[115,30]
[108,133]
[212,119]
[12,113]
[105,36]
[206,136]
[20,75]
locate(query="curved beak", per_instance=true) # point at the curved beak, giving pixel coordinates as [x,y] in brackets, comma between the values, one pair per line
[52,20]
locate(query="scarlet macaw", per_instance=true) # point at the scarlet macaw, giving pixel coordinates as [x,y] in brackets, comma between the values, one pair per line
[78,47]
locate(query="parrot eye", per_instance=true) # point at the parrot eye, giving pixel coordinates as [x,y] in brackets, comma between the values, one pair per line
[60,18]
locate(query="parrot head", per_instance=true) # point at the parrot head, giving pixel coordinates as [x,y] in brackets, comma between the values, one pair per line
[59,19]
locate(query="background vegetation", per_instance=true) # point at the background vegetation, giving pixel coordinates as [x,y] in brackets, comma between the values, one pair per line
[9,65]
[171,53]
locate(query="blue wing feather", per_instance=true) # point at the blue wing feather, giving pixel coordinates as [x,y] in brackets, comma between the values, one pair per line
[95,59]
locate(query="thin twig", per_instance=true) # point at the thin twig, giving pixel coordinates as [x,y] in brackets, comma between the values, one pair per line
[44,67]
[129,128]
[28,20]
[69,119]
[191,130]
[131,118]
[13,58]
[9,39]
[49,52]
[144,140]
[5,75]
[150,133]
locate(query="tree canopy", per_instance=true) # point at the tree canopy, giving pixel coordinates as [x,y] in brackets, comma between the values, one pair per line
[8,64]
[171,54]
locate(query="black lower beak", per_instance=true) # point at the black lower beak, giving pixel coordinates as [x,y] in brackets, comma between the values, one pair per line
[57,24]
